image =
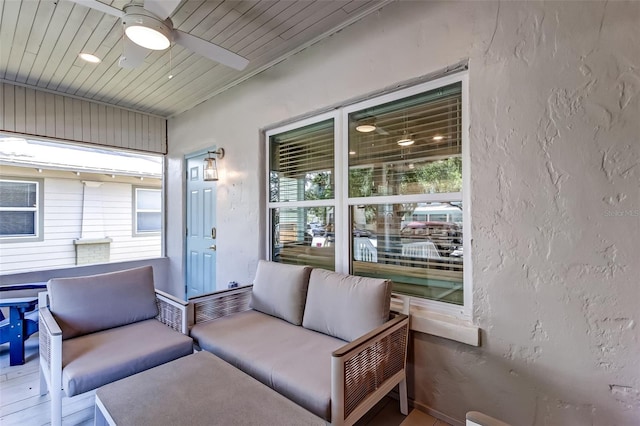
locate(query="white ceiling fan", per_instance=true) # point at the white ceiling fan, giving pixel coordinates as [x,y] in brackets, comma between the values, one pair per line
[148,27]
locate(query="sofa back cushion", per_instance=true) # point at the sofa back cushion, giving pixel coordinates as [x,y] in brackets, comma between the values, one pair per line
[346,306]
[280,290]
[83,305]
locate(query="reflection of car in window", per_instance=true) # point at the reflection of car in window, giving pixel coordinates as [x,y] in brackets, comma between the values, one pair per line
[447,236]
[315,229]
[359,232]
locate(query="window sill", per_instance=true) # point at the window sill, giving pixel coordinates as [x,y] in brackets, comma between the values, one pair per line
[85,241]
[436,324]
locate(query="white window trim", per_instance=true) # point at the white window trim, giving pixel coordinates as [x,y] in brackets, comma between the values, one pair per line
[465,311]
[137,233]
[38,209]
[441,310]
[304,203]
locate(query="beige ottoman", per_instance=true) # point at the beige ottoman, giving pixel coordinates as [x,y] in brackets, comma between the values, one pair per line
[198,389]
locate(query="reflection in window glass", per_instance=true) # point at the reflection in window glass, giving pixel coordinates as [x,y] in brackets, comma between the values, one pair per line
[18,208]
[149,199]
[17,223]
[304,236]
[148,210]
[18,194]
[409,146]
[398,172]
[416,245]
[301,164]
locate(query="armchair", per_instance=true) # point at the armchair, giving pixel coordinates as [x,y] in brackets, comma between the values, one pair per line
[98,329]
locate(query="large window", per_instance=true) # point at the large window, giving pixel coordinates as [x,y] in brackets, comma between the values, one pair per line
[405,191]
[378,189]
[20,209]
[64,204]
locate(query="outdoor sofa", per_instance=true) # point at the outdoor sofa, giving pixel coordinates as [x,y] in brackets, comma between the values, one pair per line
[325,340]
[98,329]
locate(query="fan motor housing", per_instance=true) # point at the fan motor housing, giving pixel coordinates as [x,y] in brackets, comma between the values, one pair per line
[138,20]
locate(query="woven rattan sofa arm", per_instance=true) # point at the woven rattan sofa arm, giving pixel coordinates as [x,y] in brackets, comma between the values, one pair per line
[218,304]
[49,330]
[368,368]
[172,311]
[49,323]
[50,340]
[370,336]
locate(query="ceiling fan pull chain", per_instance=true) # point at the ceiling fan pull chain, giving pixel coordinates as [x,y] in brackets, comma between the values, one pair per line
[170,62]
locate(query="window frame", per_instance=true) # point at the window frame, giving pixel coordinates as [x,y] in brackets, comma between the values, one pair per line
[342,202]
[303,203]
[38,210]
[135,232]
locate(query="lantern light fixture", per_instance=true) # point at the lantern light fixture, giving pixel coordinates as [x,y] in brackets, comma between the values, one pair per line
[210,167]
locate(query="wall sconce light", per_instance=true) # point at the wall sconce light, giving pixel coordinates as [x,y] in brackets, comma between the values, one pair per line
[210,168]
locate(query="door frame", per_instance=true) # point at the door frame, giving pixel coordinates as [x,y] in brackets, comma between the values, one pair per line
[185,176]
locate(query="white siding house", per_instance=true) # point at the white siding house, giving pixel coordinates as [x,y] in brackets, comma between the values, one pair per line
[84,218]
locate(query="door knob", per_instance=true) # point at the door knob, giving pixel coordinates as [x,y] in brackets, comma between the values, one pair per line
[213,247]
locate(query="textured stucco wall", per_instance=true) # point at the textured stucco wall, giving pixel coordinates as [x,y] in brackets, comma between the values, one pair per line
[555,163]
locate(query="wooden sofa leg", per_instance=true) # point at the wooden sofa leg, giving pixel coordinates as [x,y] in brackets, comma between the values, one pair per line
[404,403]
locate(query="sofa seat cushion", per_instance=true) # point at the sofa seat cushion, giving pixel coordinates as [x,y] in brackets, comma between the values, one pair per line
[292,360]
[96,359]
[83,305]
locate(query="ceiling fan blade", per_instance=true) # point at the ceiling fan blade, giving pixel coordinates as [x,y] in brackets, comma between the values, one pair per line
[381,131]
[210,50]
[161,8]
[132,54]
[101,7]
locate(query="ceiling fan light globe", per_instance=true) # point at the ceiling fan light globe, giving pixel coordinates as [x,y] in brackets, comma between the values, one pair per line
[149,38]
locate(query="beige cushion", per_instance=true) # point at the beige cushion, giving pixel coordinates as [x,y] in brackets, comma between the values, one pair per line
[96,359]
[280,290]
[345,306]
[292,360]
[84,305]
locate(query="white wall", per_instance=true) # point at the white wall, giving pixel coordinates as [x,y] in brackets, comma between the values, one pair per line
[555,193]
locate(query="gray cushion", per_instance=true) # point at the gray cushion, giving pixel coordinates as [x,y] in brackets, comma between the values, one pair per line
[345,306]
[292,360]
[96,359]
[280,290]
[199,389]
[84,305]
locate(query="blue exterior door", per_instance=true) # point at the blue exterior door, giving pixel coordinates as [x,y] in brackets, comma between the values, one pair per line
[201,229]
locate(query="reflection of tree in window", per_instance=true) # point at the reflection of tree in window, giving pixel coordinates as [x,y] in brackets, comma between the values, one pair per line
[274,186]
[434,177]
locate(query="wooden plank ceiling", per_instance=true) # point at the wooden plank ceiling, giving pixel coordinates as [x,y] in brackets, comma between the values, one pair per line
[40,42]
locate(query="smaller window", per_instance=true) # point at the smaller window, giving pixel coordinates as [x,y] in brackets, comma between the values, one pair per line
[148,211]
[20,209]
